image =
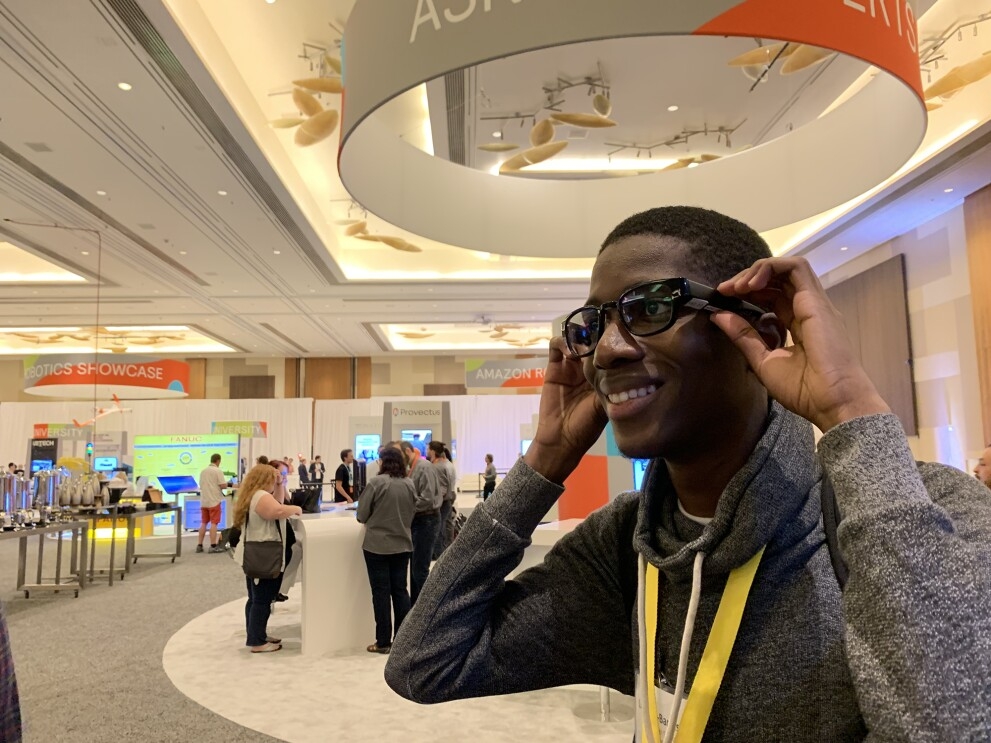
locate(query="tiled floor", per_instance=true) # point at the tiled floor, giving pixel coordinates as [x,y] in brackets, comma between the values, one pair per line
[348,700]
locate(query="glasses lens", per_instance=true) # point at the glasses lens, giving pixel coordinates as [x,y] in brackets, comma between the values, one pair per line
[647,309]
[581,331]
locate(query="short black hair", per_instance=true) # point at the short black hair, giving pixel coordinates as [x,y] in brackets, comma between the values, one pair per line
[438,448]
[391,463]
[214,458]
[344,454]
[719,246]
[262,459]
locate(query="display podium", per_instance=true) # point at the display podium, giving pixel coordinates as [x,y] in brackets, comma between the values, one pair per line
[336,616]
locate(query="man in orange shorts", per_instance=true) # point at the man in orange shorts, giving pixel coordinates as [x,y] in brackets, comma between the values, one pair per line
[212,484]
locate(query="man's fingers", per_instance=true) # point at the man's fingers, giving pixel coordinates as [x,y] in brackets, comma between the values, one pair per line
[744,337]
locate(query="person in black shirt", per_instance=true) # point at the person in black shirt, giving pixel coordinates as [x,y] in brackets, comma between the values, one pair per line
[344,478]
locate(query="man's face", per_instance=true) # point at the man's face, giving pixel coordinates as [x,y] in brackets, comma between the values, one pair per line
[349,457]
[689,379]
[983,469]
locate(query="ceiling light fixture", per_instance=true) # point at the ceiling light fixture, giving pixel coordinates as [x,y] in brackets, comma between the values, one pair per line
[947,190]
[844,248]
[693,165]
[497,135]
[672,109]
[85,252]
[221,193]
[124,86]
[101,193]
[182,252]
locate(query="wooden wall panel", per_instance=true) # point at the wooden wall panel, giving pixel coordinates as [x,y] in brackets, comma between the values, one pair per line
[292,378]
[328,379]
[364,381]
[197,379]
[252,388]
[977,219]
[874,305]
[444,390]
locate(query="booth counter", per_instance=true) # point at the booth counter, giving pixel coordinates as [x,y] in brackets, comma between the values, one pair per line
[336,615]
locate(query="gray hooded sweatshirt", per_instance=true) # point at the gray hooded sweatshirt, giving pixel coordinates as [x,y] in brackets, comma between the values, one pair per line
[904,654]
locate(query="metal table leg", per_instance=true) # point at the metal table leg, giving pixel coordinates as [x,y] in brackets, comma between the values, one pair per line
[81,572]
[41,557]
[113,543]
[22,560]
[58,559]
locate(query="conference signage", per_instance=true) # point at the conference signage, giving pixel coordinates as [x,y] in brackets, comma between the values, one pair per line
[504,373]
[393,46]
[61,431]
[247,429]
[84,376]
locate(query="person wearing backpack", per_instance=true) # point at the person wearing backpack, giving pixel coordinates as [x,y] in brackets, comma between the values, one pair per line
[711,595]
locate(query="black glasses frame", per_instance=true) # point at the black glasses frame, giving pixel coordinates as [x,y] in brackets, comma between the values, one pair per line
[684,293]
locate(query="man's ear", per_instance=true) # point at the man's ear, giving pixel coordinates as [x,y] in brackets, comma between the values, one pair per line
[772,331]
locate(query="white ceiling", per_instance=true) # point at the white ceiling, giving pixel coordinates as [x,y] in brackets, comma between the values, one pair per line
[263,268]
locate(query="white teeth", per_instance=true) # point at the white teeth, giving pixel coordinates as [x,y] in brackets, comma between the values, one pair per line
[619,397]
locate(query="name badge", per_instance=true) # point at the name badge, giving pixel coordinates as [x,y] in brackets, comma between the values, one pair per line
[664,697]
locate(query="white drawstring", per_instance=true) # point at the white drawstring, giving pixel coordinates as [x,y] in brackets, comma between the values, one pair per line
[686,643]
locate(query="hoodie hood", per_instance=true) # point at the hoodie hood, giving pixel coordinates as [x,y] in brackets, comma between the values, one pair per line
[751,510]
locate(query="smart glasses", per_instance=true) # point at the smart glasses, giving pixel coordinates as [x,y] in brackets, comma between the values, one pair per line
[647,309]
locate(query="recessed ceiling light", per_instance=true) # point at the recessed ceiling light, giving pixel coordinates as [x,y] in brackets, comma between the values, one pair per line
[844,248]
[221,193]
[277,252]
[101,193]
[124,86]
[85,252]
[693,165]
[497,135]
[270,2]
[947,190]
[236,291]
[182,252]
[672,109]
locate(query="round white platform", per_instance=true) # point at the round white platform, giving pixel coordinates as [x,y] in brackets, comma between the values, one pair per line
[345,698]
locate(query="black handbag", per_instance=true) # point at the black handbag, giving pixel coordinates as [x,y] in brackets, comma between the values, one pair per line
[262,559]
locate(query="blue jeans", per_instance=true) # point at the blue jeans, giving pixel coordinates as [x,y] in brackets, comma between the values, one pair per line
[443,538]
[387,578]
[261,594]
[424,530]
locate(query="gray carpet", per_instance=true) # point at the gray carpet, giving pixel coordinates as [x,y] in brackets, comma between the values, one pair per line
[90,669]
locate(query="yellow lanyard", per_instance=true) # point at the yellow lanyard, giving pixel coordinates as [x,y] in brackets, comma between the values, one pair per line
[718,647]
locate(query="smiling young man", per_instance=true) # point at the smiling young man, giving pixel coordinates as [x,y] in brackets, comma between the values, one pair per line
[711,595]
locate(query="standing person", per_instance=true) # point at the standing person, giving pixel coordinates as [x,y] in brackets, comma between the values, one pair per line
[426,522]
[983,469]
[212,484]
[304,473]
[439,455]
[490,477]
[316,470]
[725,545]
[344,478]
[386,509]
[10,708]
[261,516]
[294,548]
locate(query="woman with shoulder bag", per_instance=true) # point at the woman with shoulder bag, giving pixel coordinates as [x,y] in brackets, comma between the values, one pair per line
[261,516]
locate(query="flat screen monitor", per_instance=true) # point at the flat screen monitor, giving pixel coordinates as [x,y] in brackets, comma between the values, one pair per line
[639,470]
[40,465]
[418,437]
[104,464]
[175,484]
[183,454]
[524,445]
[366,446]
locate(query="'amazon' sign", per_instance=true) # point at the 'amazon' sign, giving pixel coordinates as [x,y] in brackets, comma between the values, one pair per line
[505,372]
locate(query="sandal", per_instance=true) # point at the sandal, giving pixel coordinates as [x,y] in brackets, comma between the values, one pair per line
[384,650]
[273,640]
[268,647]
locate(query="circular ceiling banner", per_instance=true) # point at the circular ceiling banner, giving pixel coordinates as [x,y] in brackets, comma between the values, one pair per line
[391,46]
[83,377]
